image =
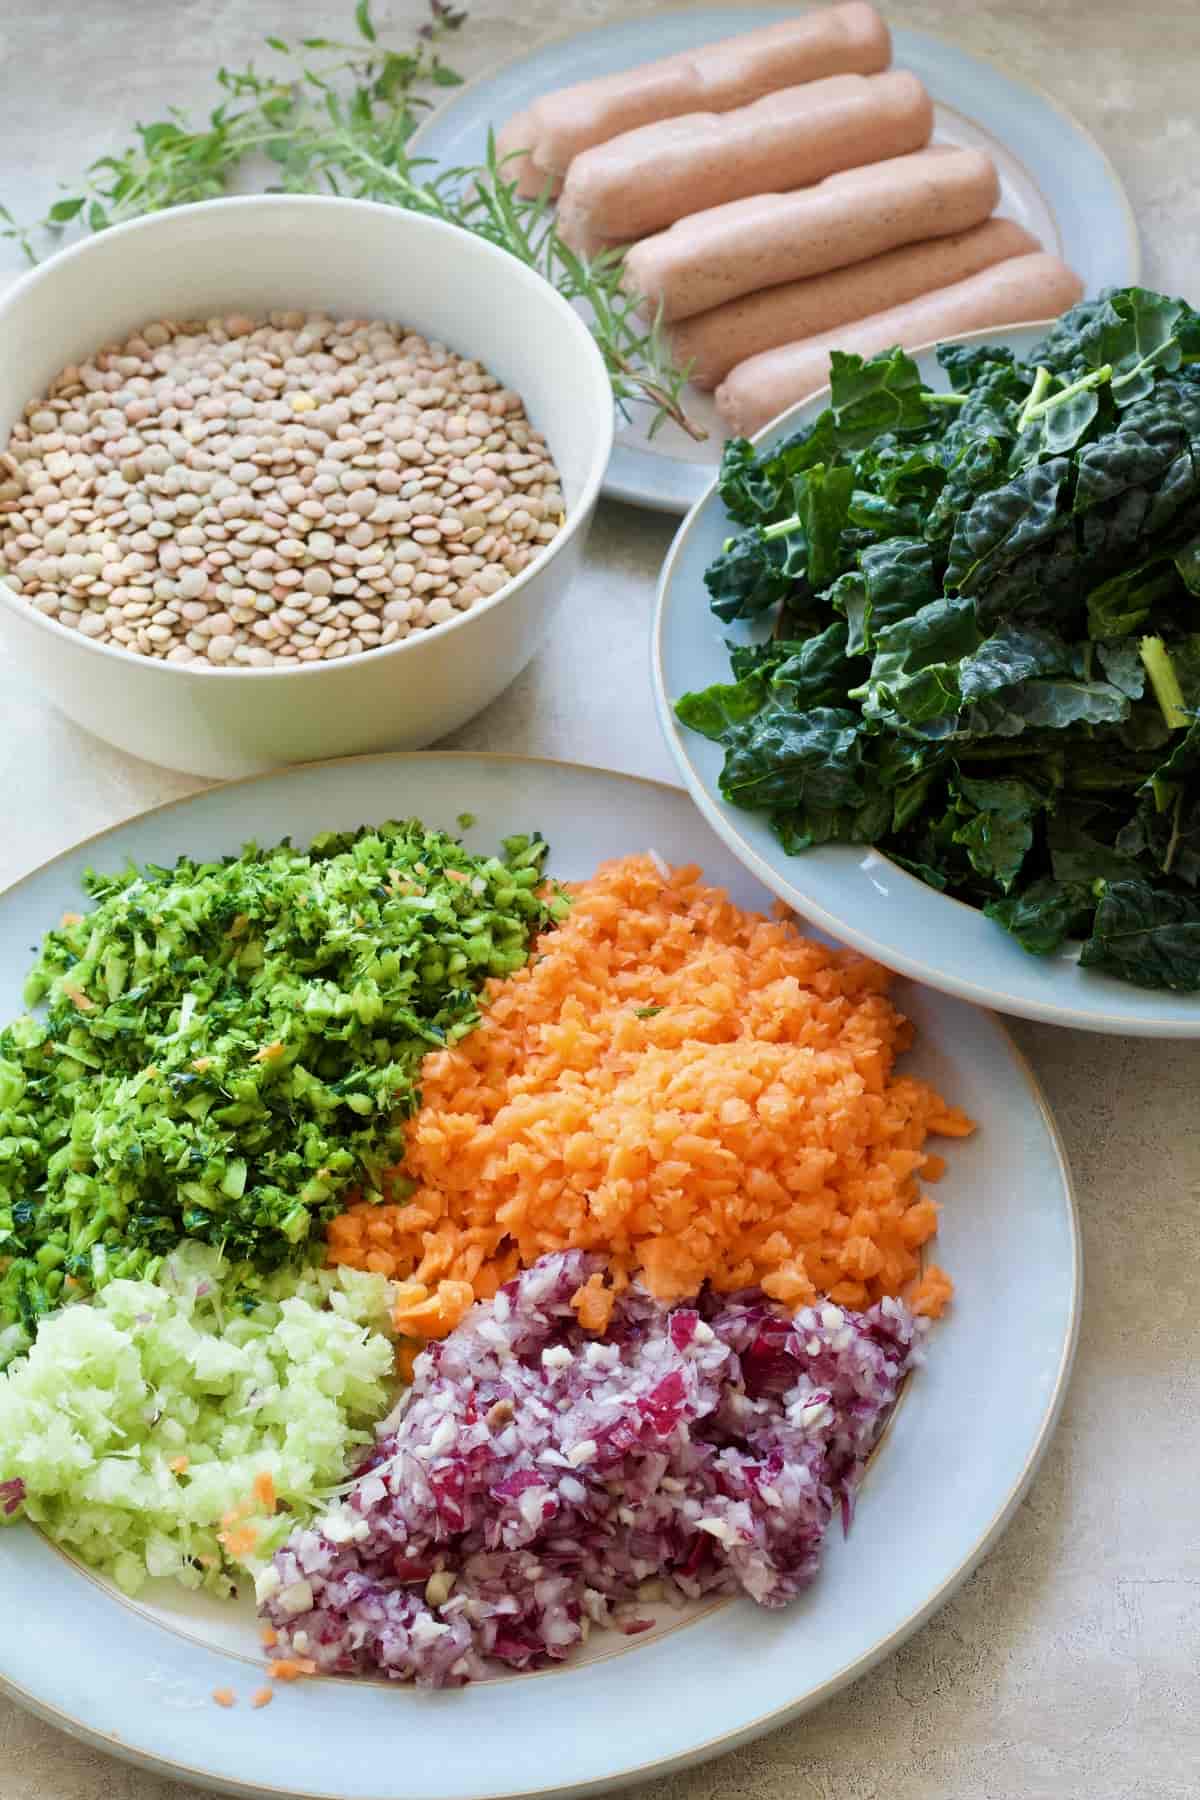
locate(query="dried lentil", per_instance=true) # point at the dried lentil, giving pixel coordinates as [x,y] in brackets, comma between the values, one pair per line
[201,493]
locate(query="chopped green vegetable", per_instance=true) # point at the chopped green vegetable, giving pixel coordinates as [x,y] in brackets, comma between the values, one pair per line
[985,645]
[137,1424]
[227,1046]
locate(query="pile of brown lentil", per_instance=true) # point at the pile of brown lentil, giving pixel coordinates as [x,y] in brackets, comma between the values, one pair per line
[260,493]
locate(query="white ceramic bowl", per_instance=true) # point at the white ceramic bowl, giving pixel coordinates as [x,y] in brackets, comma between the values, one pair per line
[353,259]
[855,893]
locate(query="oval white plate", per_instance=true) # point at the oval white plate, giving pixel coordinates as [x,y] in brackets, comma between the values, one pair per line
[957,1457]
[1055,180]
[858,895]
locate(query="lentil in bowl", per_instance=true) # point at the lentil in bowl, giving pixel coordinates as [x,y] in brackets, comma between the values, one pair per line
[340,260]
[252,491]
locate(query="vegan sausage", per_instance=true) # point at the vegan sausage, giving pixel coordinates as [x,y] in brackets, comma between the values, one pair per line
[720,254]
[1024,289]
[645,180]
[713,342]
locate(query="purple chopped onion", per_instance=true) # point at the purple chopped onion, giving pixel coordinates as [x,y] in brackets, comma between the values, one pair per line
[12,1494]
[534,1478]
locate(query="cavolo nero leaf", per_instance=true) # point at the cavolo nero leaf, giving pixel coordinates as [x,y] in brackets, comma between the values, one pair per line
[1045,914]
[1001,525]
[712,710]
[998,829]
[1124,602]
[869,397]
[751,574]
[1123,666]
[963,589]
[781,758]
[1013,654]
[824,502]
[915,670]
[1049,704]
[1134,333]
[1146,934]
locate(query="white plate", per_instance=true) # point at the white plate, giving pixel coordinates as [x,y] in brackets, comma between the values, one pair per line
[1055,180]
[861,897]
[957,1457]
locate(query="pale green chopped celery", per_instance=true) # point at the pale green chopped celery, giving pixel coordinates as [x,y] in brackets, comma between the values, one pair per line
[114,1392]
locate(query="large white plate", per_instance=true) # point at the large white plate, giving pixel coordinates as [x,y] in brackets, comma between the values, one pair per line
[959,1453]
[861,897]
[1055,180]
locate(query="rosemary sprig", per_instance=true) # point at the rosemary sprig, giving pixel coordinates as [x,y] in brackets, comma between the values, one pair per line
[336,117]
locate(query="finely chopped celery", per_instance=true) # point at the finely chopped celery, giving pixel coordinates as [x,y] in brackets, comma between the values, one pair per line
[139,1427]
[225,1047]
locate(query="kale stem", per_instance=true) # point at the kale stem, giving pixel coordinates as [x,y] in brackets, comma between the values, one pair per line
[1041,382]
[1173,841]
[783,528]
[1096,379]
[1156,659]
[1147,362]
[932,398]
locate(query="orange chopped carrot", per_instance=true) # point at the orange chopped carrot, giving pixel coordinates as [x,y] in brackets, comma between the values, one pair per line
[180,1465]
[291,1668]
[593,1304]
[932,1293]
[406,1356]
[262,1697]
[225,1696]
[269,1637]
[268,1053]
[71,918]
[239,1542]
[697,1092]
[264,1490]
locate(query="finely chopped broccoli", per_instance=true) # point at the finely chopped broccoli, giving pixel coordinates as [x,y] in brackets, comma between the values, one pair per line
[225,1047]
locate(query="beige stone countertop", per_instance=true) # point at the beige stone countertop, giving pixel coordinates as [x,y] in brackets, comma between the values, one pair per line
[1067,1665]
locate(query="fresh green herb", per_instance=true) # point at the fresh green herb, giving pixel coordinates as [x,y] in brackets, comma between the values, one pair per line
[647,1012]
[332,117]
[226,1047]
[986,646]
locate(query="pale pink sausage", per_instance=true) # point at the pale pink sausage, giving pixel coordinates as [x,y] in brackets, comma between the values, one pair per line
[838,40]
[646,179]
[514,147]
[1017,292]
[714,341]
[720,254]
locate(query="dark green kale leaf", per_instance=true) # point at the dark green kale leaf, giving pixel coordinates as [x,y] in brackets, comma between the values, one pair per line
[884,394]
[752,574]
[998,829]
[898,579]
[1134,333]
[1146,934]
[915,671]
[1013,654]
[781,758]
[1045,914]
[1001,526]
[712,710]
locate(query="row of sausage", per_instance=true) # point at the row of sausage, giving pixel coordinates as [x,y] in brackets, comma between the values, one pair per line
[778,195]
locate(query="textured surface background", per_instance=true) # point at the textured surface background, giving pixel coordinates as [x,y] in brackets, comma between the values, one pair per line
[1067,1666]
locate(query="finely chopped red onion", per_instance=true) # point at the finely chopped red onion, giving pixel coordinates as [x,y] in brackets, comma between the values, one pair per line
[535,1479]
[264,493]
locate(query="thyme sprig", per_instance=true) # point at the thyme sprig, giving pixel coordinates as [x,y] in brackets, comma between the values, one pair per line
[328,116]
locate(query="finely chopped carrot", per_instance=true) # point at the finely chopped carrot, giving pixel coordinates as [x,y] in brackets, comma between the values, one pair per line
[697,1091]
